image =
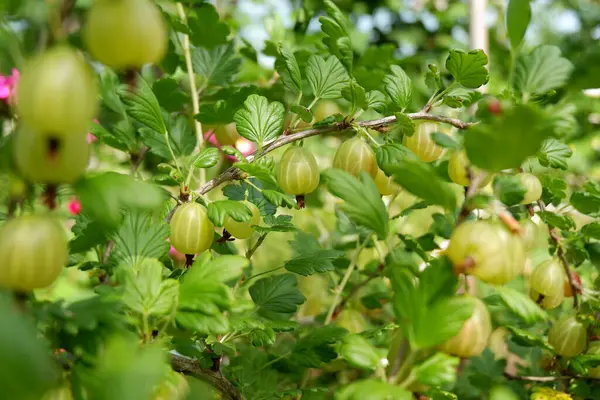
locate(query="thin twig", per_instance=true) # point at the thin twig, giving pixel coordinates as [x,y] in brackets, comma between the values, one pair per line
[252,250]
[546,378]
[192,367]
[234,173]
[138,160]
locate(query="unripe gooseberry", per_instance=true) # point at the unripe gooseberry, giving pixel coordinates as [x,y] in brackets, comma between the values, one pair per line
[126,33]
[532,185]
[473,337]
[457,170]
[351,320]
[354,156]
[548,278]
[502,392]
[546,302]
[421,142]
[43,158]
[226,135]
[243,230]
[175,387]
[594,349]
[568,337]
[529,233]
[487,250]
[57,93]
[298,172]
[33,250]
[60,393]
[385,184]
[192,231]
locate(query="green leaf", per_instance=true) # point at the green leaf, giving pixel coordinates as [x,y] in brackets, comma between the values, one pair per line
[524,338]
[399,87]
[104,196]
[420,179]
[554,154]
[359,353]
[372,390]
[279,199]
[519,134]
[591,230]
[169,94]
[141,105]
[335,28]
[521,305]
[444,141]
[87,234]
[458,97]
[362,201]
[326,77]
[518,16]
[553,220]
[221,269]
[206,28]
[281,223]
[508,189]
[356,95]
[376,101]
[309,257]
[217,66]
[244,191]
[288,69]
[118,137]
[554,189]
[218,210]
[222,110]
[278,293]
[391,153]
[145,291]
[304,113]
[541,71]
[468,69]
[208,157]
[139,236]
[180,136]
[258,171]
[586,203]
[437,370]
[404,126]
[315,349]
[260,121]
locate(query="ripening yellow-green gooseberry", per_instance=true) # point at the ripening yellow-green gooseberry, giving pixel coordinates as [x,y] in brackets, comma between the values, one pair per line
[548,278]
[298,172]
[226,135]
[472,339]
[421,142]
[192,232]
[175,387]
[48,159]
[57,93]
[355,155]
[568,336]
[385,184]
[33,250]
[243,230]
[546,302]
[124,34]
[351,320]
[532,185]
[457,170]
[60,393]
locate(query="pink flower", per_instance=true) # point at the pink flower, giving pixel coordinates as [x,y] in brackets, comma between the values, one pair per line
[244,146]
[91,138]
[8,86]
[74,207]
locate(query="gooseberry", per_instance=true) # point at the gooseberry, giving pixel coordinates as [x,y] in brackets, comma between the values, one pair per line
[473,337]
[126,33]
[576,282]
[532,185]
[421,142]
[487,250]
[385,184]
[243,230]
[44,158]
[354,156]
[546,302]
[59,393]
[298,172]
[226,135]
[568,337]
[33,250]
[457,170]
[192,231]
[57,93]
[548,278]
[175,387]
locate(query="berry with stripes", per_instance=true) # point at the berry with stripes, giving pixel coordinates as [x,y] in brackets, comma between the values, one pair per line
[298,173]
[192,232]
[354,156]
[243,230]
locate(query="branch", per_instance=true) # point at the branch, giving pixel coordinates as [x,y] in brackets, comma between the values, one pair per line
[191,367]
[233,173]
[547,378]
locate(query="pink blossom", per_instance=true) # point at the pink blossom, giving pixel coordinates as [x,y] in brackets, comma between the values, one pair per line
[8,85]
[74,207]
[244,146]
[91,138]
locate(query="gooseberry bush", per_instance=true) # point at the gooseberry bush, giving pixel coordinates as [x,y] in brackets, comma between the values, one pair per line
[181,220]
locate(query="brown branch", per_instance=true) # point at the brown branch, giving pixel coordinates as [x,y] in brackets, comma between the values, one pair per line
[546,378]
[192,368]
[233,173]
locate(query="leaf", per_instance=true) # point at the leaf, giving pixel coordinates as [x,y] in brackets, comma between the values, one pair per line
[304,113]
[221,269]
[553,189]
[117,137]
[222,110]
[315,349]
[444,141]
[391,153]
[281,223]
[169,94]
[508,189]
[326,77]
[468,69]
[591,230]
[260,121]
[507,141]
[359,353]
[288,69]
[356,95]
[553,220]
[244,191]
[208,157]
[310,258]
[278,293]
[141,105]
[541,71]
[362,201]
[586,203]
[399,87]
[180,136]
[206,28]
[104,196]
[404,126]
[218,210]
[217,66]
[139,237]
[335,28]
[372,390]
[524,338]
[437,370]
[420,179]
[376,101]
[518,16]
[554,154]
[521,305]
[87,234]
[258,171]
[458,97]
[279,199]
